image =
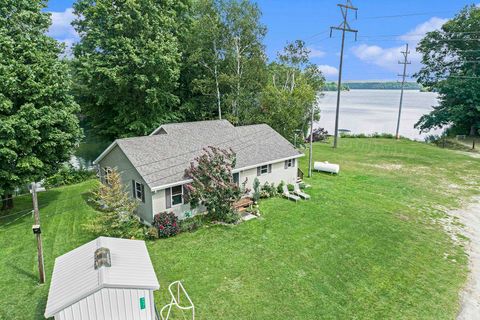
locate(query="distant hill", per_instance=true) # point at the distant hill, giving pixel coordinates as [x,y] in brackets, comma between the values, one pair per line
[373,85]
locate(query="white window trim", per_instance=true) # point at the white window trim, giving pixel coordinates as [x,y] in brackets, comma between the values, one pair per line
[290,163]
[171,197]
[136,190]
[261,170]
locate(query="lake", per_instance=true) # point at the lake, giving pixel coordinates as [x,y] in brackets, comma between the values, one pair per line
[370,111]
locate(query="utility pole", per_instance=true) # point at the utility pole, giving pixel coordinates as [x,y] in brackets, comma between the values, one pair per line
[311,143]
[405,62]
[37,231]
[344,27]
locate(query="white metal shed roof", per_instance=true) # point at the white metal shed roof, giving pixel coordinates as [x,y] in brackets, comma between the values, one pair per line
[75,277]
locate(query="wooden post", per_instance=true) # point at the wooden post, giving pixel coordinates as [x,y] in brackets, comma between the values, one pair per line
[311,143]
[36,213]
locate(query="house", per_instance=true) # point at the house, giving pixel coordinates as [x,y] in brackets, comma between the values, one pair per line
[107,278]
[153,167]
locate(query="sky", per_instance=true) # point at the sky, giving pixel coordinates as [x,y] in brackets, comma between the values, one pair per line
[384,27]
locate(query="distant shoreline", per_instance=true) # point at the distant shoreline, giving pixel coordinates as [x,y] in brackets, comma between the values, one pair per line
[373,85]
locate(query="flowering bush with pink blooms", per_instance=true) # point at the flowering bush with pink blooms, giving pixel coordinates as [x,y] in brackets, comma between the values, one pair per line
[213,184]
[166,223]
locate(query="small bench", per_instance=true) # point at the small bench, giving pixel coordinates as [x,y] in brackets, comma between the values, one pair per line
[242,204]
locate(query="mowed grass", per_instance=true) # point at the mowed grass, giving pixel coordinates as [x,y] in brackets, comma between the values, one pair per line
[369,245]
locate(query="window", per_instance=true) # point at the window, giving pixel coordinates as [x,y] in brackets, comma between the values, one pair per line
[289,163]
[138,191]
[177,195]
[236,178]
[264,169]
[107,171]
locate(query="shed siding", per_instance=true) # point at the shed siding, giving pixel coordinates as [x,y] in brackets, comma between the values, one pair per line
[117,159]
[111,304]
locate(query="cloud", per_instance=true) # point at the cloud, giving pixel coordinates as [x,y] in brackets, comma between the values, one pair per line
[383,57]
[316,53]
[61,28]
[387,58]
[419,31]
[328,70]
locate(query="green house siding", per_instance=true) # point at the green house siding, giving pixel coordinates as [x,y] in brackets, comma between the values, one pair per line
[116,159]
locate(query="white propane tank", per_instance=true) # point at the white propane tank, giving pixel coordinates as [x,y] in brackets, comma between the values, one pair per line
[326,167]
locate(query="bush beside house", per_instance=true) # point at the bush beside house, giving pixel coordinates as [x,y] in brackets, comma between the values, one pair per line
[166,224]
[117,211]
[213,184]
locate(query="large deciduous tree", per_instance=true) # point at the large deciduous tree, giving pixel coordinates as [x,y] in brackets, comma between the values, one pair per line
[451,66]
[127,63]
[38,125]
[225,60]
[294,84]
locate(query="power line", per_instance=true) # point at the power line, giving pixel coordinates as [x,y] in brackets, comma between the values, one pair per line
[419,34]
[316,35]
[404,15]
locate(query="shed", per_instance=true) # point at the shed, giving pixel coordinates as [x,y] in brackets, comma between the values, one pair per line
[107,278]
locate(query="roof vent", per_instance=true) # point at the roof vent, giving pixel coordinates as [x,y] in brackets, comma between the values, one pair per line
[102,258]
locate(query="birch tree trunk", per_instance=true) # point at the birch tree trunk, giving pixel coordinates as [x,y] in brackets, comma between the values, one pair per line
[217,85]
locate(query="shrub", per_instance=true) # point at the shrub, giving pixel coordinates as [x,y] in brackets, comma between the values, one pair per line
[166,223]
[290,187]
[191,224]
[152,233]
[280,187]
[268,190]
[253,209]
[67,175]
[232,217]
[256,190]
[213,183]
[319,134]
[117,218]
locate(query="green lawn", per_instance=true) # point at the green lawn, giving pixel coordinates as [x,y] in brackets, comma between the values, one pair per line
[368,245]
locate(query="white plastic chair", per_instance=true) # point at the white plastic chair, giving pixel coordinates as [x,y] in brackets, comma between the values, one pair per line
[288,195]
[299,192]
[176,300]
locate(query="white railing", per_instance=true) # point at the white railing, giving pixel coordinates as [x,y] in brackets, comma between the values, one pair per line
[180,290]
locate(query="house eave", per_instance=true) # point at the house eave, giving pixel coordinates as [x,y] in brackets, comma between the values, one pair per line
[105,152]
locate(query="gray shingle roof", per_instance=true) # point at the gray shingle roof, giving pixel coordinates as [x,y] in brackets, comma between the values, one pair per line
[162,158]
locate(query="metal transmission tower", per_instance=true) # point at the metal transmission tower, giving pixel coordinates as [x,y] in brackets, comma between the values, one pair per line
[405,62]
[344,27]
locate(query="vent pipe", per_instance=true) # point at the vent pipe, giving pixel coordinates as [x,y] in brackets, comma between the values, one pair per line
[102,258]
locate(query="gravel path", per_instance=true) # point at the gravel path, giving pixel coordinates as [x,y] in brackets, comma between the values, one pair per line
[470,297]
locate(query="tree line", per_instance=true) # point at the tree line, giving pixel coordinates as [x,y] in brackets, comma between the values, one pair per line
[139,64]
[371,85]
